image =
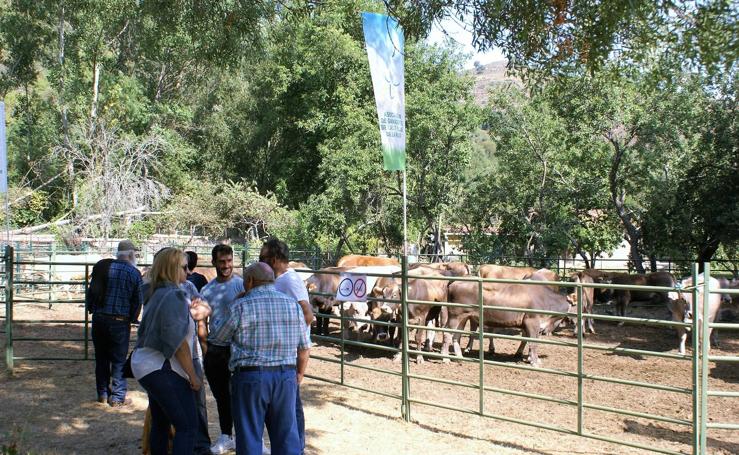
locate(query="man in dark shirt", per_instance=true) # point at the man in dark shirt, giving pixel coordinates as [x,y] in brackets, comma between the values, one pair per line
[198,279]
[111,322]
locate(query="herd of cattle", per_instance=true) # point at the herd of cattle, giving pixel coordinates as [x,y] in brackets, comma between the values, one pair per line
[430,285]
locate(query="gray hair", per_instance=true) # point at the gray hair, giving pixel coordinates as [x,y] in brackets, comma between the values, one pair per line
[128,256]
[260,271]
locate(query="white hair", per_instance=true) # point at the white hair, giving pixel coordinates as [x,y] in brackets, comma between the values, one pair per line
[128,256]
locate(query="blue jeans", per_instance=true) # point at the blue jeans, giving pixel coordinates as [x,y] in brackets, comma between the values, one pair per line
[265,397]
[110,338]
[202,439]
[172,402]
[300,418]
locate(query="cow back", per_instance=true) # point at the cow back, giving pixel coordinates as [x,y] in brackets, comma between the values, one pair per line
[356,260]
[504,272]
[664,279]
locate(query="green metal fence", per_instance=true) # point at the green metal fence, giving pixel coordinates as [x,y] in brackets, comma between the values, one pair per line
[698,361]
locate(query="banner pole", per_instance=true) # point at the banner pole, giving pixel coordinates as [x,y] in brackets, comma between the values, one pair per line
[405,218]
[4,170]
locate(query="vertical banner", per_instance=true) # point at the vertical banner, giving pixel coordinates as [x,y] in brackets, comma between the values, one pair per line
[3,152]
[384,40]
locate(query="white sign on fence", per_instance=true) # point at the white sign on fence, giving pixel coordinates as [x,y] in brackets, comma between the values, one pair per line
[352,288]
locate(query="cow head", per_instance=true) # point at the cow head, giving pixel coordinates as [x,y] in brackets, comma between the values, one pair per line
[681,306]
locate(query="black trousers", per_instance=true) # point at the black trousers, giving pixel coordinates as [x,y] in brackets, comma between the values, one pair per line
[219,378]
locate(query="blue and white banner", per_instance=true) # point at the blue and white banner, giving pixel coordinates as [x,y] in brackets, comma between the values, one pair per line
[3,152]
[384,41]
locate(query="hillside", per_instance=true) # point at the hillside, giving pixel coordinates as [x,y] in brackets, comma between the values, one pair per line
[488,76]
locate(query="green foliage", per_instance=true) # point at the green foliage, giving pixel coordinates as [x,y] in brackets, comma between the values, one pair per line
[231,209]
[250,119]
[558,37]
[141,230]
[545,195]
[27,207]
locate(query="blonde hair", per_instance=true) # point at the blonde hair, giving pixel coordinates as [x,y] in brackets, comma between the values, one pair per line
[166,267]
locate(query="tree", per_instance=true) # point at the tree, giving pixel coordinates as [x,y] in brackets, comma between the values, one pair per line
[228,209]
[544,196]
[306,126]
[556,37]
[116,173]
[700,209]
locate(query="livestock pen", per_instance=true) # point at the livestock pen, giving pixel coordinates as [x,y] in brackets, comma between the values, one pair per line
[598,389]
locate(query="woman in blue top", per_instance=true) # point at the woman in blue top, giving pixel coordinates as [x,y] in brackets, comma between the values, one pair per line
[162,360]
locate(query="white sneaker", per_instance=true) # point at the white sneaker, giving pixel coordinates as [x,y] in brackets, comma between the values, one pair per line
[223,444]
[265,449]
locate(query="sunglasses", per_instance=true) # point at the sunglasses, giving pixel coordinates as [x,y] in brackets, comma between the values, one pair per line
[185,268]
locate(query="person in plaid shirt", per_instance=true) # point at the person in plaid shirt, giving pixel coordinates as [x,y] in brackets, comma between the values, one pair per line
[112,315]
[269,354]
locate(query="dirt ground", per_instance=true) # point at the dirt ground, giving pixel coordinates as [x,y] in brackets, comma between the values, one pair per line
[49,407]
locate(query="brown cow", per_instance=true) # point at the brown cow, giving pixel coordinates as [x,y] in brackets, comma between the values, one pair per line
[508,295]
[502,272]
[600,276]
[623,297]
[355,260]
[544,275]
[511,273]
[427,290]
[682,308]
[725,284]
[323,283]
[297,265]
[452,268]
[587,299]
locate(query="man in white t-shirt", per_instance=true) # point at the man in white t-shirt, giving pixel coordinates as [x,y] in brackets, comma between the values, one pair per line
[276,253]
[220,293]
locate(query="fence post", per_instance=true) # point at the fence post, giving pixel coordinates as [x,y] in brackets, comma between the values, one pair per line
[52,258]
[87,313]
[343,344]
[580,360]
[481,338]
[9,308]
[405,405]
[695,340]
[705,346]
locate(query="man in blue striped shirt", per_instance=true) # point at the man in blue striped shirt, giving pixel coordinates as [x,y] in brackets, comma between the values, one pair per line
[269,354]
[112,315]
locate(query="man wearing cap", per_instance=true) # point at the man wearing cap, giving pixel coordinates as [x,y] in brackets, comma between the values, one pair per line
[111,323]
[269,354]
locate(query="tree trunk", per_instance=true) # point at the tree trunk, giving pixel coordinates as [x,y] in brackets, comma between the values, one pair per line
[438,249]
[706,252]
[62,104]
[95,91]
[585,259]
[652,262]
[618,196]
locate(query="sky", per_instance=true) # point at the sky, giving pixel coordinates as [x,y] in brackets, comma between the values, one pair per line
[458,32]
